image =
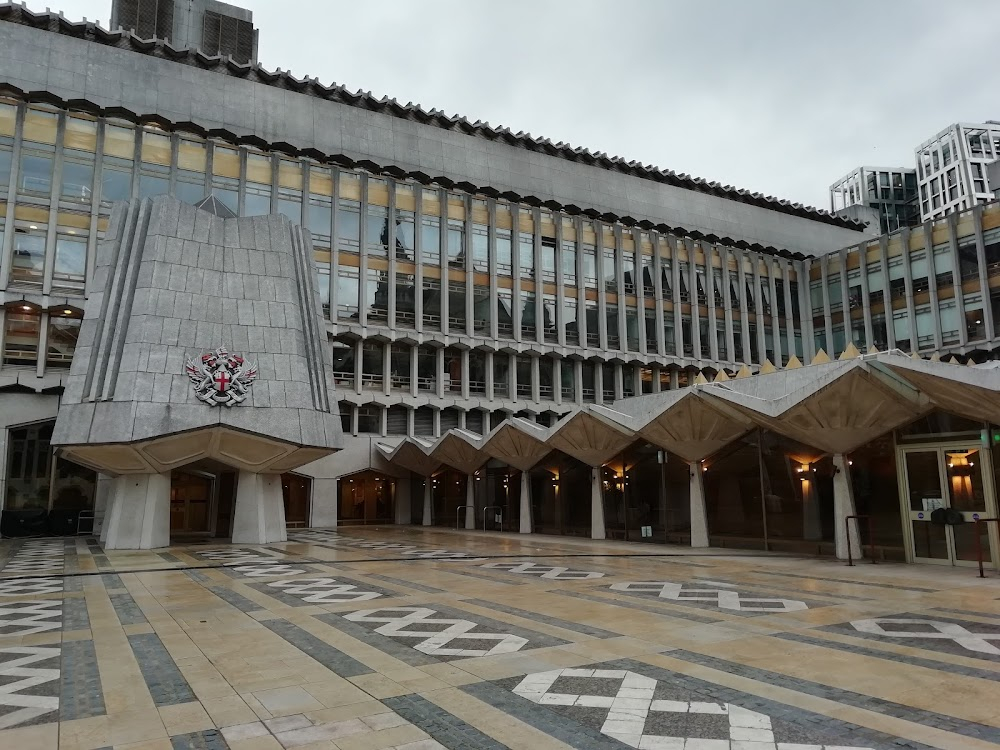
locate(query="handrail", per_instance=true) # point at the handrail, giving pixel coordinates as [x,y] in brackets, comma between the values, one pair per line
[871,538]
[492,507]
[979,543]
[467,509]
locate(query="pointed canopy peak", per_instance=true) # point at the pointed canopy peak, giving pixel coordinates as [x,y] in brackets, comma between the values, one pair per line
[851,352]
[721,377]
[873,349]
[935,357]
[793,363]
[767,368]
[700,379]
[744,372]
[915,356]
[953,360]
[970,362]
[214,206]
[821,358]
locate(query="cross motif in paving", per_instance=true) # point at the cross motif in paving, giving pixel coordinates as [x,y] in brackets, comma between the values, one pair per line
[27,618]
[30,586]
[323,590]
[950,631]
[544,571]
[406,622]
[21,684]
[263,571]
[724,596]
[634,700]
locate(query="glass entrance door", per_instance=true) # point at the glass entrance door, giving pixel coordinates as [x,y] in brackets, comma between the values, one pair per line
[953,476]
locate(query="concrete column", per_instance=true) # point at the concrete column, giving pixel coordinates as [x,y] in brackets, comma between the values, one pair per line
[470,501]
[811,524]
[103,494]
[323,514]
[428,500]
[596,505]
[140,512]
[260,511]
[525,503]
[699,514]
[843,506]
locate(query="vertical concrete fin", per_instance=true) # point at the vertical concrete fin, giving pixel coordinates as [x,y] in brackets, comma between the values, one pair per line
[311,333]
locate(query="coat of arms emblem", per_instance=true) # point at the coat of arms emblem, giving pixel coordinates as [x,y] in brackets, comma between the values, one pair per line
[221,378]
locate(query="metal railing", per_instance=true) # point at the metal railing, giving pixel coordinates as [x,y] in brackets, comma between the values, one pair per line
[979,542]
[871,538]
[499,509]
[459,518]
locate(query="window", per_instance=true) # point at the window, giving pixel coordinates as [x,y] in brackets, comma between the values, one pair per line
[29,258]
[569,263]
[348,292]
[548,259]
[526,256]
[505,260]
[505,313]
[456,306]
[399,367]
[405,235]
[432,303]
[36,174]
[609,273]
[64,330]
[77,181]
[318,216]
[528,316]
[481,248]
[370,419]
[20,343]
[614,338]
[372,366]
[590,266]
[571,323]
[430,240]
[377,231]
[5,163]
[70,263]
[456,243]
[377,295]
[426,368]
[501,375]
[323,286]
[349,226]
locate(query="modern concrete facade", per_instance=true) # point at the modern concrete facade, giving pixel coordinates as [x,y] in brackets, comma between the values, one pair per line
[470,282]
[891,192]
[951,167]
[211,26]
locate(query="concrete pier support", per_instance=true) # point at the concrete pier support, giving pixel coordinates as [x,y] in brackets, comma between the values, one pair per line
[525,503]
[699,514]
[470,502]
[597,530]
[428,500]
[843,506]
[260,511]
[139,514]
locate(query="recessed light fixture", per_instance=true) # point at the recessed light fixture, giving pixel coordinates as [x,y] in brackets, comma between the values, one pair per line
[67,312]
[32,226]
[26,308]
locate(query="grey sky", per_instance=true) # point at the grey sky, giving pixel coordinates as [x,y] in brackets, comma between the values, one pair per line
[777,96]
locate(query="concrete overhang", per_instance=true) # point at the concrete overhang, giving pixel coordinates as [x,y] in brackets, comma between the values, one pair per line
[411,454]
[592,435]
[836,407]
[460,450]
[241,450]
[518,443]
[693,425]
[970,392]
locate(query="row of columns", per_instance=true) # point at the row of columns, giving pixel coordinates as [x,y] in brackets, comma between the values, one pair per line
[843,497]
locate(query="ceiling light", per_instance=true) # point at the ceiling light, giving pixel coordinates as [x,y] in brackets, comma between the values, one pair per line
[32,226]
[67,312]
[26,308]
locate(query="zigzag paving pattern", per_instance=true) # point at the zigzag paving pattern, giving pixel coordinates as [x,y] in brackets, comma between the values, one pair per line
[421,639]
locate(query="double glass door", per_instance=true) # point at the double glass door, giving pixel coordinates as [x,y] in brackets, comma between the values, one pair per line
[958,477]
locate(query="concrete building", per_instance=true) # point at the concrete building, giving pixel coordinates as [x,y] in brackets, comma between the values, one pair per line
[211,26]
[951,168]
[889,192]
[513,333]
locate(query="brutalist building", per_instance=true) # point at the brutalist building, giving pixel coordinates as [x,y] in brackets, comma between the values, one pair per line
[235,301]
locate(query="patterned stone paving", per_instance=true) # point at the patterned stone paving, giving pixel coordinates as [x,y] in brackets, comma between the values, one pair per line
[422,639]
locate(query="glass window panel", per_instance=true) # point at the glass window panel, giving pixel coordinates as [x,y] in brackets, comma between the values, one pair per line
[378,231]
[226,162]
[189,192]
[569,263]
[150,186]
[36,174]
[80,134]
[77,181]
[257,202]
[348,291]
[456,243]
[119,142]
[8,120]
[430,241]
[116,185]
[290,174]
[6,157]
[63,334]
[20,346]
[29,257]
[71,258]
[258,169]
[192,156]
[481,248]
[349,225]
[155,149]
[526,256]
[319,215]
[405,238]
[291,208]
[548,259]
[505,261]
[40,127]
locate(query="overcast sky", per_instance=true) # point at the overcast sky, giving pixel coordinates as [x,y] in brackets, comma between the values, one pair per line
[778,96]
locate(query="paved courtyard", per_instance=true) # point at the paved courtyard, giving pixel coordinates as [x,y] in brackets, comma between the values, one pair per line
[426,638]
